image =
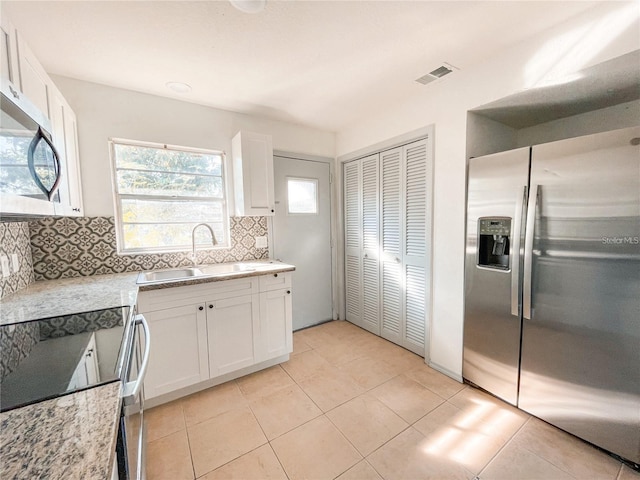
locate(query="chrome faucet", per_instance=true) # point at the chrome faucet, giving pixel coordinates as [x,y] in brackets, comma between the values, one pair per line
[193,240]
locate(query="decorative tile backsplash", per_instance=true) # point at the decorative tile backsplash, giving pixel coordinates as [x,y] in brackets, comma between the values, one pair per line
[76,247]
[14,239]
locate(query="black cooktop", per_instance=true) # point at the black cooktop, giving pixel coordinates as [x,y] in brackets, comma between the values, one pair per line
[47,358]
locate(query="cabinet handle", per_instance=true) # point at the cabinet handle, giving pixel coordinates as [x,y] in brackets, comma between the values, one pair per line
[200,308]
[272,210]
[76,209]
[89,352]
[275,274]
[211,305]
[288,291]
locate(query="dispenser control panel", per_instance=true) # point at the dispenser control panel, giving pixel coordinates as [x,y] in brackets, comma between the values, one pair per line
[494,226]
[494,242]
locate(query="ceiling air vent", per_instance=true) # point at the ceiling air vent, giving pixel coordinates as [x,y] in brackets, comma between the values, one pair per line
[439,72]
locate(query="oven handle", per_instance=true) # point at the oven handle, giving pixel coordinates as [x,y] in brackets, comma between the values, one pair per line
[131,389]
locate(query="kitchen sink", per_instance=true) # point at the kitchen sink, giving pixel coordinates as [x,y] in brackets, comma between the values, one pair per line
[166,275]
[222,268]
[201,271]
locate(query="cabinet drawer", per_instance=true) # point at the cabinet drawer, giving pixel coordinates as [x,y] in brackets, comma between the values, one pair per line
[160,299]
[275,281]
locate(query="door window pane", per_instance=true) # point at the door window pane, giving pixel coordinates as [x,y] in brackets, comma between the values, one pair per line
[302,196]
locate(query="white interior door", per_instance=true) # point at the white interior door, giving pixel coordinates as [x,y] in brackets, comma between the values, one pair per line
[302,235]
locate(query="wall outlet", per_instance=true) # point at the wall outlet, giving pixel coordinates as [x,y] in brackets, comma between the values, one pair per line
[4,261]
[15,263]
[261,242]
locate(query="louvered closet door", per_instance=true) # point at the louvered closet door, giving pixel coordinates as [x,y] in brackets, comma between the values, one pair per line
[370,244]
[416,233]
[392,287]
[353,241]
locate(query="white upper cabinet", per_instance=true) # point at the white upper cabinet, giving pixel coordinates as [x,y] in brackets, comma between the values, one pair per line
[34,81]
[9,53]
[65,138]
[31,82]
[253,174]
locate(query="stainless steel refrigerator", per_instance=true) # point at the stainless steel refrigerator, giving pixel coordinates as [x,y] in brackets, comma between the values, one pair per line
[552,284]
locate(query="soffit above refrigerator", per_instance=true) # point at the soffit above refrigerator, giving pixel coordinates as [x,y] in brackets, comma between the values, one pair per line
[604,85]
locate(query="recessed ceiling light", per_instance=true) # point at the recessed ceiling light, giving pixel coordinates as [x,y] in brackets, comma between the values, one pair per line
[249,6]
[179,87]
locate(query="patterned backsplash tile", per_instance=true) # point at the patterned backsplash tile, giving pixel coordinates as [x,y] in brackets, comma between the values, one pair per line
[14,238]
[76,247]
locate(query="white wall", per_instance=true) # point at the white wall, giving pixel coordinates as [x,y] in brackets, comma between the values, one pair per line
[604,32]
[105,112]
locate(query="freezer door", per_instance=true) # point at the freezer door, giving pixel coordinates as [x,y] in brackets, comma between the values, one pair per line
[496,192]
[580,367]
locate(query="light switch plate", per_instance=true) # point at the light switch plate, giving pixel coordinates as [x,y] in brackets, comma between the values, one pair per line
[261,242]
[6,270]
[15,263]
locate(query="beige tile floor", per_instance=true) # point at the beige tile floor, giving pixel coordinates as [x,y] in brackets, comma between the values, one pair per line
[352,406]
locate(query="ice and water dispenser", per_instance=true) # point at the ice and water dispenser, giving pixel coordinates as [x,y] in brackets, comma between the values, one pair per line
[494,242]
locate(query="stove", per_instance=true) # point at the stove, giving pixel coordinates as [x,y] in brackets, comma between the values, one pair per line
[51,357]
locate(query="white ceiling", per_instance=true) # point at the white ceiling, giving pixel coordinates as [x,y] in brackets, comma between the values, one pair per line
[323,64]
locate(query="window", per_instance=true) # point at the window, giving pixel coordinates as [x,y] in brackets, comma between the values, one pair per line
[162,192]
[302,195]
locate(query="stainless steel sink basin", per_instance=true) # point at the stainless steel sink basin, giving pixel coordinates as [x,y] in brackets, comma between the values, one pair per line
[166,275]
[218,269]
[222,268]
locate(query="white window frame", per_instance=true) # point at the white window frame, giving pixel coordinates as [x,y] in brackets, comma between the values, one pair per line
[304,179]
[117,199]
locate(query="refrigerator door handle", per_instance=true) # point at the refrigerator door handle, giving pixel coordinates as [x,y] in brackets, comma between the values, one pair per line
[521,203]
[528,252]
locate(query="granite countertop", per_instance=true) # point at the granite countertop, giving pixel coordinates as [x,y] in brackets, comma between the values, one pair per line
[252,268]
[70,437]
[55,298]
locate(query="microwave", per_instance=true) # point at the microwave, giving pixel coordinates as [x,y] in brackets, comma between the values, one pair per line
[30,169]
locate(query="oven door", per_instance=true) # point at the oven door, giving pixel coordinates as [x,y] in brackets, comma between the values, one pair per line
[131,445]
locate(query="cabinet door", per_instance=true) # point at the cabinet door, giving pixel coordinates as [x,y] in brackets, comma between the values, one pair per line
[34,81]
[231,327]
[275,335]
[253,174]
[353,242]
[391,256]
[9,53]
[178,349]
[63,122]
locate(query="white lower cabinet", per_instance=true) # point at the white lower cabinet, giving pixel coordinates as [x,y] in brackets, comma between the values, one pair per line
[275,323]
[232,325]
[214,330]
[178,356]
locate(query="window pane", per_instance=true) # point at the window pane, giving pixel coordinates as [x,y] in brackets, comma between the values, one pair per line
[142,211]
[163,193]
[166,236]
[168,184]
[302,195]
[149,158]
